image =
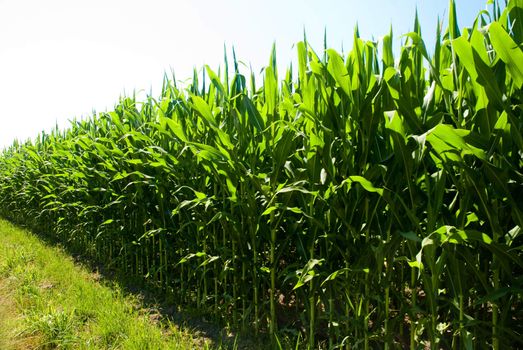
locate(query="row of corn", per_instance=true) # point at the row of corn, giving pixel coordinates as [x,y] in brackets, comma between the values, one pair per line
[362,201]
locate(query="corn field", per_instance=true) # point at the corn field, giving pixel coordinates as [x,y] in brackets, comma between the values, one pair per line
[363,200]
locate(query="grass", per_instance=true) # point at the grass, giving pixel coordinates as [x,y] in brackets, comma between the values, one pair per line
[8,317]
[47,301]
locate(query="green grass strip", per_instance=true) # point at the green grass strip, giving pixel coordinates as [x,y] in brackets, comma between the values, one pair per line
[48,301]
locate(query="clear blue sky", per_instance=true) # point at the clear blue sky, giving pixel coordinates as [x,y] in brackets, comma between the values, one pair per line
[60,59]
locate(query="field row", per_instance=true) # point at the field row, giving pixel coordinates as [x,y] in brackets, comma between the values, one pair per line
[363,200]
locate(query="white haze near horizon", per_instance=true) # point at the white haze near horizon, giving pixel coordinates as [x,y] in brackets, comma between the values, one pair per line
[64,59]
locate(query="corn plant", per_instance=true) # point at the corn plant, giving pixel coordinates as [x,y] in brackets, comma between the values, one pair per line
[362,201]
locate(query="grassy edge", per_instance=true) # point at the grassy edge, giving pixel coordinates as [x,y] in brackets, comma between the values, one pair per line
[6,316]
[48,300]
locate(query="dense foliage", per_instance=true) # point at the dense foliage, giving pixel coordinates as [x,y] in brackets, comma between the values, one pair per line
[371,201]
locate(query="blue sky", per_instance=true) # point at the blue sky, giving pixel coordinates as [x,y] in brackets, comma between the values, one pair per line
[61,59]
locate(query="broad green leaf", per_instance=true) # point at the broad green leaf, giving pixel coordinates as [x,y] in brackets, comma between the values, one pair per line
[203,109]
[337,69]
[255,118]
[391,77]
[176,128]
[395,123]
[366,184]
[478,70]
[388,57]
[215,80]
[450,144]
[508,51]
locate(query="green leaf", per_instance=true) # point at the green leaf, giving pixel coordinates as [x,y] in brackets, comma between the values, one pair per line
[308,272]
[391,77]
[269,210]
[395,123]
[366,184]
[388,57]
[199,195]
[337,69]
[203,109]
[134,161]
[255,119]
[508,51]
[215,80]
[449,143]
[480,73]
[334,275]
[175,127]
